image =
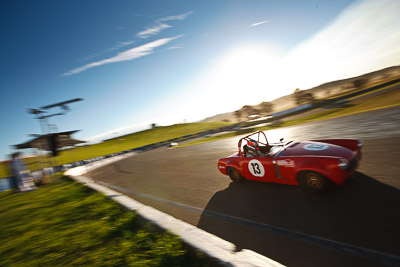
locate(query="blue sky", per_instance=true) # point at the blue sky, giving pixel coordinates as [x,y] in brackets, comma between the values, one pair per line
[142,62]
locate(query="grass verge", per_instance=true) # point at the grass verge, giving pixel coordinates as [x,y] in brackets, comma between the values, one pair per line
[126,142]
[66,223]
[219,137]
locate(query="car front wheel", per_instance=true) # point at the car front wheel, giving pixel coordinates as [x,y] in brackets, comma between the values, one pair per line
[235,175]
[313,182]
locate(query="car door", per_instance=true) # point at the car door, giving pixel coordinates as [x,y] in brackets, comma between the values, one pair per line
[258,168]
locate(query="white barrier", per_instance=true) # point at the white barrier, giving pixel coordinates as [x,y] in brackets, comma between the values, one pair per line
[213,246]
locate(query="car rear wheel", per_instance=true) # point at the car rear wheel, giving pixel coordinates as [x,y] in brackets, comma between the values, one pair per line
[235,175]
[313,182]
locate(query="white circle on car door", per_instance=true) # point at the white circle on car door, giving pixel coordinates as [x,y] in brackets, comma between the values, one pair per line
[256,168]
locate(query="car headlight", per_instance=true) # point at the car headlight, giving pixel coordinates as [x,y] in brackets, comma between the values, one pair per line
[360,144]
[343,163]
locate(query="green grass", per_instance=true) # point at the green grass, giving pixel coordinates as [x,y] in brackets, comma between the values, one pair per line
[220,136]
[65,224]
[135,140]
[130,141]
[374,91]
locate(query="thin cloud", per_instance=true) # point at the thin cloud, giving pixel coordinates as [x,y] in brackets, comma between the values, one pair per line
[152,31]
[133,53]
[160,25]
[110,49]
[119,45]
[259,23]
[177,17]
[175,47]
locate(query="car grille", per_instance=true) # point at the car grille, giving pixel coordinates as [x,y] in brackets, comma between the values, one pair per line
[353,164]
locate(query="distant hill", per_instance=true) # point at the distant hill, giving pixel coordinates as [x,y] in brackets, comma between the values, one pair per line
[325,90]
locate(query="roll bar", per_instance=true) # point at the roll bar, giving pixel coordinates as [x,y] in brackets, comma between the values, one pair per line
[248,139]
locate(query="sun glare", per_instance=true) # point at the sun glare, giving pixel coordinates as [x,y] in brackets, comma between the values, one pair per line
[242,76]
[246,72]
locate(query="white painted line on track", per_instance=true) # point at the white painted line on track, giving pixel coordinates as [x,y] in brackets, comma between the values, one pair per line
[377,256]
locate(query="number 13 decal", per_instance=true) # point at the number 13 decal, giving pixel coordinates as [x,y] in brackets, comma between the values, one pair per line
[256,168]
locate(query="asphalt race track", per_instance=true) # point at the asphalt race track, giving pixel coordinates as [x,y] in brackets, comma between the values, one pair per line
[353,225]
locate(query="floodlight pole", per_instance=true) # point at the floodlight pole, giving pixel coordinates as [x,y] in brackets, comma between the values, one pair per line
[43,119]
[45,129]
[39,164]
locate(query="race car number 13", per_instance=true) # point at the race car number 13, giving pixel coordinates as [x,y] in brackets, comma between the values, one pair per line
[256,168]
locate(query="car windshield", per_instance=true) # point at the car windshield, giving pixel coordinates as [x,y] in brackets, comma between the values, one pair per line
[278,147]
[275,149]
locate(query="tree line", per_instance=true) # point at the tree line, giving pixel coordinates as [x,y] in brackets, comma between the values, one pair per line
[263,109]
[300,97]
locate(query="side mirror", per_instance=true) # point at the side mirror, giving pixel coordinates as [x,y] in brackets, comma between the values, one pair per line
[281,140]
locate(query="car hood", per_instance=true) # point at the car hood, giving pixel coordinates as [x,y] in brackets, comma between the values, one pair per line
[309,148]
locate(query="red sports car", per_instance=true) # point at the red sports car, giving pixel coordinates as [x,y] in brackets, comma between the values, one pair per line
[310,164]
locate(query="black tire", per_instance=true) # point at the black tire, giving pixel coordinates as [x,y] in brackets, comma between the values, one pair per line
[313,182]
[235,175]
